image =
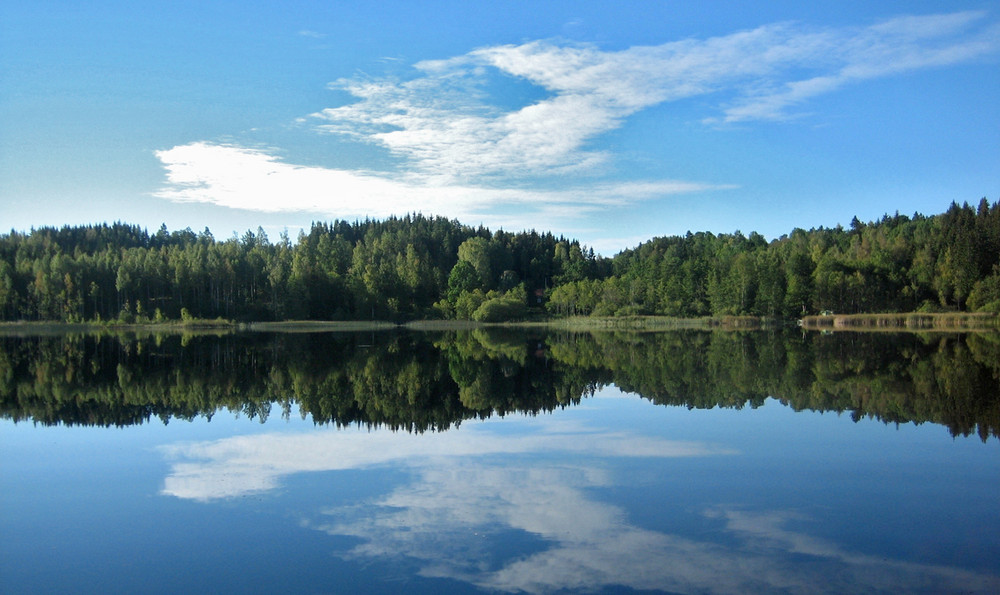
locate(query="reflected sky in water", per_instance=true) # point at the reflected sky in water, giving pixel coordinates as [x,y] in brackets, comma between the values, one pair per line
[616,493]
[582,500]
[129,472]
[244,465]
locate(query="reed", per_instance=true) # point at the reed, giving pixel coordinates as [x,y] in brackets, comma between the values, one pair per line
[904,320]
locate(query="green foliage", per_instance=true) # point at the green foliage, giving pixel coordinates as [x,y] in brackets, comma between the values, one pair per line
[463,278]
[502,308]
[985,294]
[930,307]
[476,252]
[468,302]
[415,267]
[442,309]
[895,264]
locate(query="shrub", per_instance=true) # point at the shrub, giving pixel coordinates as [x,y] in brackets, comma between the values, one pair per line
[629,310]
[985,295]
[499,309]
[468,302]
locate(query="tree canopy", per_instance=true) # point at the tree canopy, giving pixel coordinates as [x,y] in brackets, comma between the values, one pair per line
[420,267]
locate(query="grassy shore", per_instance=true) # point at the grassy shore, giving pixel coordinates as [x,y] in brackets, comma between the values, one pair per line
[913,321]
[657,323]
[918,321]
[37,328]
[313,326]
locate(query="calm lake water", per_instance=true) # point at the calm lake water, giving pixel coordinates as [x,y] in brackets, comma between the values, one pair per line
[682,462]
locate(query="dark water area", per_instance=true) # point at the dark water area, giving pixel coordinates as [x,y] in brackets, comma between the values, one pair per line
[512,461]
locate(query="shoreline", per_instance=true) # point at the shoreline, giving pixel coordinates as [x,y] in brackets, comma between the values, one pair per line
[904,321]
[887,322]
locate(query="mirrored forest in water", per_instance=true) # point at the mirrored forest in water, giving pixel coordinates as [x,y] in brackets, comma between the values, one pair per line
[433,381]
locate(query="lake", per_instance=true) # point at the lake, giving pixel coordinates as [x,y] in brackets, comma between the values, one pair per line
[500,461]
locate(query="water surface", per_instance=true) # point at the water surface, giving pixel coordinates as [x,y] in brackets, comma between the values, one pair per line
[691,462]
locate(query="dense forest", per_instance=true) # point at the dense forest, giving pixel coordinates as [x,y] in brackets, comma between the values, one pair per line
[418,267]
[434,381]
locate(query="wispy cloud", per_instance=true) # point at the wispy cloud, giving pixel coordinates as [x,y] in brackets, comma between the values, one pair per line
[441,124]
[243,178]
[840,58]
[462,154]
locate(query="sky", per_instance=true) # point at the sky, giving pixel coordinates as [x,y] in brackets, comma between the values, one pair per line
[612,123]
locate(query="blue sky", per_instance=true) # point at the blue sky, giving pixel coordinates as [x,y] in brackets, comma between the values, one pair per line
[609,122]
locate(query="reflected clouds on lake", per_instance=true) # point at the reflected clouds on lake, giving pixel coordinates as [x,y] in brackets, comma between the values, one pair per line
[473,492]
[449,517]
[243,465]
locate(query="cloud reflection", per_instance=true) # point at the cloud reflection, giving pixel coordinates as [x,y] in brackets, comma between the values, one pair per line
[472,490]
[447,519]
[243,465]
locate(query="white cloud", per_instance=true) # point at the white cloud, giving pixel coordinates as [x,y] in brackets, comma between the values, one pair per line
[443,125]
[462,155]
[844,57]
[244,178]
[609,246]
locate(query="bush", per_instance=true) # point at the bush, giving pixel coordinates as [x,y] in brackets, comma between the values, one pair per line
[993,306]
[468,302]
[630,310]
[442,309]
[985,295]
[499,309]
[604,309]
[929,307]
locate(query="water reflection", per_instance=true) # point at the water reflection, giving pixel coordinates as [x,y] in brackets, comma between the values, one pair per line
[469,494]
[434,381]
[243,465]
[607,493]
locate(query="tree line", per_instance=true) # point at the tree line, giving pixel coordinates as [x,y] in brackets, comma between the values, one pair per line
[949,261]
[415,267]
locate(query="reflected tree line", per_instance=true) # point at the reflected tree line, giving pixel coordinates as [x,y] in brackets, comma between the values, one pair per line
[434,381]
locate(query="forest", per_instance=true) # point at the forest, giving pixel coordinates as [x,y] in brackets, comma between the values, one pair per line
[419,267]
